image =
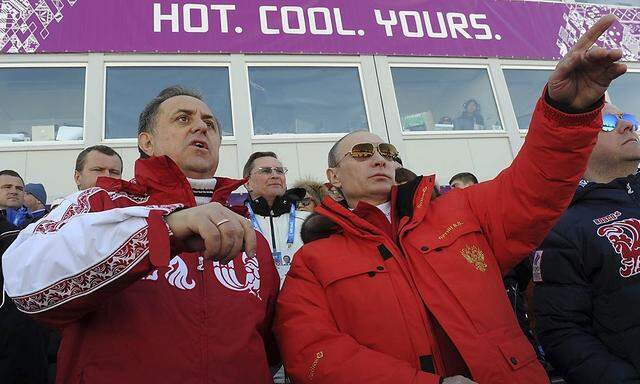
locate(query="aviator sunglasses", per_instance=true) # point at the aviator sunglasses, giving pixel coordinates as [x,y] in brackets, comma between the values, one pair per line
[610,121]
[366,150]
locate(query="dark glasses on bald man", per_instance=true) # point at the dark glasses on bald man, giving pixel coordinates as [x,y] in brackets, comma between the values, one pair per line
[366,150]
[610,121]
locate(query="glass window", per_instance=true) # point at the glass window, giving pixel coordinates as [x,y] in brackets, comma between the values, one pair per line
[525,87]
[41,104]
[438,99]
[306,100]
[129,89]
[624,93]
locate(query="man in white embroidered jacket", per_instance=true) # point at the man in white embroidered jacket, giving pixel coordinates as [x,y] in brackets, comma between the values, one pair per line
[141,277]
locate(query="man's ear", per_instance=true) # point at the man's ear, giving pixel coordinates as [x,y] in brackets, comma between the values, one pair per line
[145,143]
[76,177]
[332,176]
[248,186]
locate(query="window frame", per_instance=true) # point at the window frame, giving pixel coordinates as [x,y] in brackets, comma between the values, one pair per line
[160,64]
[302,137]
[52,144]
[535,67]
[451,133]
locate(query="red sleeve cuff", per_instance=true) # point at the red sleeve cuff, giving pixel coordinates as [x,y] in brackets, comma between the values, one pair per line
[557,112]
[158,235]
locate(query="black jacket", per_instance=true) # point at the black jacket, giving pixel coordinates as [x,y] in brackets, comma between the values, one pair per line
[587,294]
[23,342]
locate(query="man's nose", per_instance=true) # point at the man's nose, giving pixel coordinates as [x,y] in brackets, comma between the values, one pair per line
[624,126]
[199,125]
[377,158]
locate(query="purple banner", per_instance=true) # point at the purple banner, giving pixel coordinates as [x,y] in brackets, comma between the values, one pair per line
[473,28]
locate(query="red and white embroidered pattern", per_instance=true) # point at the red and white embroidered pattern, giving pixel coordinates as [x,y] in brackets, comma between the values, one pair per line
[168,208]
[109,269]
[133,198]
[624,236]
[80,206]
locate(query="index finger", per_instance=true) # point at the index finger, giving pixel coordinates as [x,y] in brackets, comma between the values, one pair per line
[591,36]
[249,237]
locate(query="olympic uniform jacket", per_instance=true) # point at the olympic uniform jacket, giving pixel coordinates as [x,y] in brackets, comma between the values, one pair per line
[424,299]
[132,309]
[587,286]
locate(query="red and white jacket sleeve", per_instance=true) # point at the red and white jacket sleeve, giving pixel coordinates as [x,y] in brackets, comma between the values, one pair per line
[91,246]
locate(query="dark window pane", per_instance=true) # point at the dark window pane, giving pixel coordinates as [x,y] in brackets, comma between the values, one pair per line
[525,87]
[438,99]
[41,104]
[306,100]
[129,89]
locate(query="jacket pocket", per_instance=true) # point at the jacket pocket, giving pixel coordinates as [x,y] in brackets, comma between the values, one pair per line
[347,269]
[467,267]
[518,352]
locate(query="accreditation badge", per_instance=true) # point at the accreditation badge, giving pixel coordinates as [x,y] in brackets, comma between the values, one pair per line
[277,257]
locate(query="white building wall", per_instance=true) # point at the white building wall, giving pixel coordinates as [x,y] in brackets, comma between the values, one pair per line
[443,153]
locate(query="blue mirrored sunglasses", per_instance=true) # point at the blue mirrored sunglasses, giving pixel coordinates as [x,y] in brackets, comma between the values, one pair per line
[610,121]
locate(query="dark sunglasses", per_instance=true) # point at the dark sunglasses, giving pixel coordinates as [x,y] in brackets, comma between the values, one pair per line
[610,121]
[270,170]
[366,150]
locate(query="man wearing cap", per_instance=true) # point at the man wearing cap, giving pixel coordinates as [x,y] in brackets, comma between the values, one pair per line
[35,199]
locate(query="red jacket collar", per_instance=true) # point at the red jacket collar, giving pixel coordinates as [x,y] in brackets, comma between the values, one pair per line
[414,199]
[161,177]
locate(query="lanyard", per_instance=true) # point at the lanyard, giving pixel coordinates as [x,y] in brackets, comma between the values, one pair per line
[291,232]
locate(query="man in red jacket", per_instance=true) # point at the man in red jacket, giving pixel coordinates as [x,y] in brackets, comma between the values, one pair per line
[395,287]
[142,277]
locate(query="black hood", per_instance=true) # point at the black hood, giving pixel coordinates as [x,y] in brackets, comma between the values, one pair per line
[281,205]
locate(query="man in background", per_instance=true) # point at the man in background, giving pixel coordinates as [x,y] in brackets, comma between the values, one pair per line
[96,161]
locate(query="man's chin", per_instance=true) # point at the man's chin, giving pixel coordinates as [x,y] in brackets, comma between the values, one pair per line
[199,170]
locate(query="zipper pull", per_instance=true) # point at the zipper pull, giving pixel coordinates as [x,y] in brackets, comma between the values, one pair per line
[200,263]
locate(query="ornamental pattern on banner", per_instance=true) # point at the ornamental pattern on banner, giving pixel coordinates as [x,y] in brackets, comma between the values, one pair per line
[24,24]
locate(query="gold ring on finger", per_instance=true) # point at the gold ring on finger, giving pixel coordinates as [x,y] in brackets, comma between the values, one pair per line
[219,223]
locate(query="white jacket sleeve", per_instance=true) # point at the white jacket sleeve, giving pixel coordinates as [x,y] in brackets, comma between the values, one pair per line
[92,245]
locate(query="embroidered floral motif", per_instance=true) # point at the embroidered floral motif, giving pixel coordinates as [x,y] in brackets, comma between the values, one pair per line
[112,267]
[80,206]
[133,198]
[475,257]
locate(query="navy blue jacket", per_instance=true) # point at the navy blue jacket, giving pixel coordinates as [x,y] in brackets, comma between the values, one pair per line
[587,293]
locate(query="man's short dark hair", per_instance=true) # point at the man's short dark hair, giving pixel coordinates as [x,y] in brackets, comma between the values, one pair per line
[248,167]
[465,177]
[105,150]
[147,119]
[13,173]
